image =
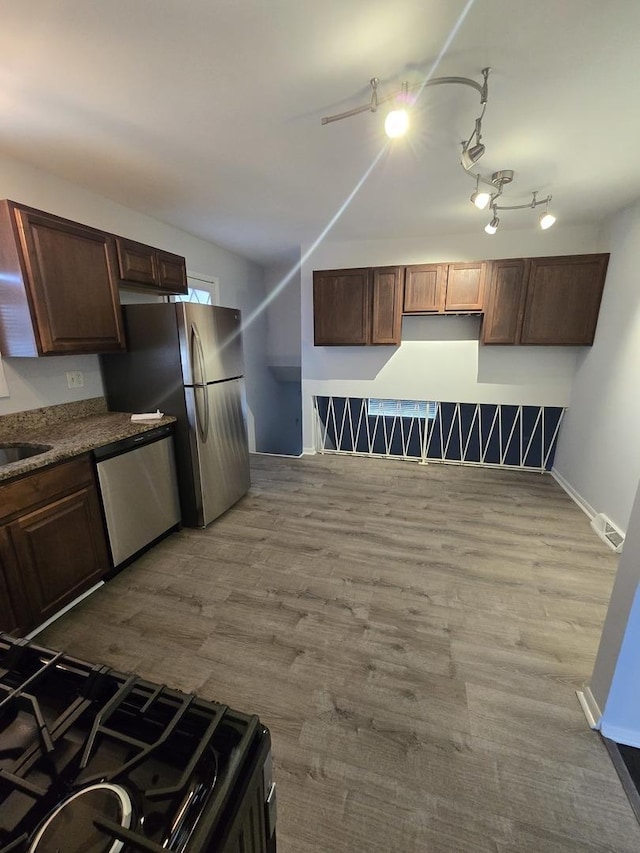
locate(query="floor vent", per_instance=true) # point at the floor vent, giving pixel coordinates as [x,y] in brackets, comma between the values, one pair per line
[608,532]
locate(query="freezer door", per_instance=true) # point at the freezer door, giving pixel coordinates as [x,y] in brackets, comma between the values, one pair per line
[219,441]
[210,343]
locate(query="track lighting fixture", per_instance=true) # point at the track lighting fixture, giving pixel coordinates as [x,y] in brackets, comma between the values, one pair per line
[403,96]
[397,123]
[492,227]
[506,176]
[480,198]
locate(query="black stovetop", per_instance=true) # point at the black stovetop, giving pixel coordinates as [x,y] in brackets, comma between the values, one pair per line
[66,726]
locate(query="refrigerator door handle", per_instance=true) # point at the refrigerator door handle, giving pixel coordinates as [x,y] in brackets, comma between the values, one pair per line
[202,416]
[200,388]
[197,351]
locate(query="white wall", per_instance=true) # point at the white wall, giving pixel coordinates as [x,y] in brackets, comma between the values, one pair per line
[439,357]
[599,451]
[615,683]
[282,284]
[40,382]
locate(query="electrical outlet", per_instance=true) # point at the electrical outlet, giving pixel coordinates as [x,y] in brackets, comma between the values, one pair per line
[75,379]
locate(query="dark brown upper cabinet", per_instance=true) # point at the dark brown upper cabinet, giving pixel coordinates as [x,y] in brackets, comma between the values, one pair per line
[465,287]
[544,301]
[58,286]
[386,327]
[143,267]
[563,300]
[504,306]
[424,288]
[357,307]
[442,288]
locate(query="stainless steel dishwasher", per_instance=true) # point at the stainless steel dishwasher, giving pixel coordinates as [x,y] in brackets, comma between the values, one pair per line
[139,491]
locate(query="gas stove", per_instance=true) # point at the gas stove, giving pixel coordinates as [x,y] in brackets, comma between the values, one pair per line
[97,761]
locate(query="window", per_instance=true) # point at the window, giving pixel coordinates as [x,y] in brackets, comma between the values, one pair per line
[202,297]
[203,289]
[401,408]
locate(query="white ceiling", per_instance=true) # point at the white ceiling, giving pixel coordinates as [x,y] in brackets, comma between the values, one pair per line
[206,113]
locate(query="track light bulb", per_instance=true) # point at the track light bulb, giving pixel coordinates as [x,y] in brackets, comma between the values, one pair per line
[546,220]
[481,199]
[396,123]
[492,226]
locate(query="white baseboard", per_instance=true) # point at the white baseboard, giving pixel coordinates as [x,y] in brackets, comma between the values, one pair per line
[589,707]
[64,610]
[281,455]
[575,496]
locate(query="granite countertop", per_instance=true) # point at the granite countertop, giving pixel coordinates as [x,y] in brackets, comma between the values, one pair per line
[70,429]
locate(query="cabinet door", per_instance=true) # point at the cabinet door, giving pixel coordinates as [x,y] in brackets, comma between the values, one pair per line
[15,617]
[61,551]
[387,305]
[136,262]
[465,287]
[424,288]
[504,304]
[172,272]
[563,300]
[9,622]
[73,282]
[342,307]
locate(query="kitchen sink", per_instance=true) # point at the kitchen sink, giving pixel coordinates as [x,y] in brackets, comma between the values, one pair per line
[14,451]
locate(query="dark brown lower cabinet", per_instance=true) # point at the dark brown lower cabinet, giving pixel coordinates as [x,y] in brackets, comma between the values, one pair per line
[52,542]
[14,614]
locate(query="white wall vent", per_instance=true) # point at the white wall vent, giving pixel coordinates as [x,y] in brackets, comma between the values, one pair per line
[608,532]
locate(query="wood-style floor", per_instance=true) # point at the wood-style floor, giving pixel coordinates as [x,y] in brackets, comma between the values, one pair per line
[412,636]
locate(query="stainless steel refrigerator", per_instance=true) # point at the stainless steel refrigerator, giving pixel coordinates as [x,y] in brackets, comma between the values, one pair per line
[186,360]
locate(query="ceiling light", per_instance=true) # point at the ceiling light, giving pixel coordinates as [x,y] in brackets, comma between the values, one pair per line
[547,219]
[396,123]
[472,152]
[470,156]
[506,176]
[492,227]
[480,198]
